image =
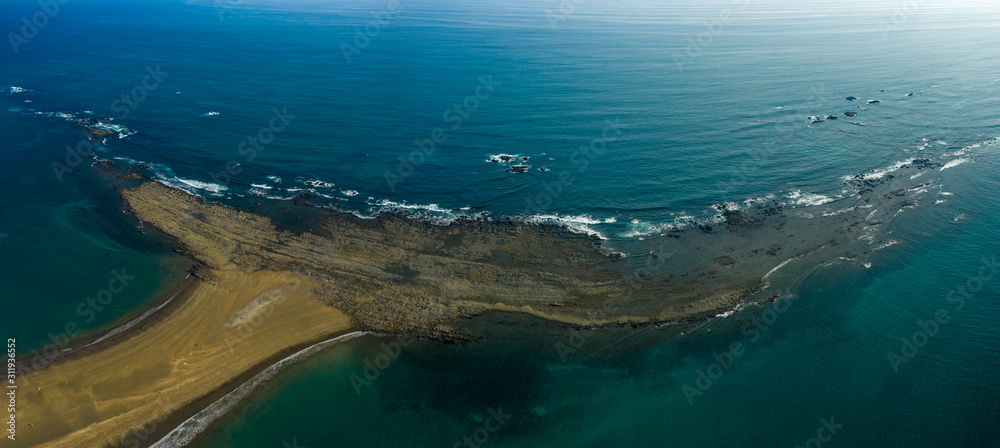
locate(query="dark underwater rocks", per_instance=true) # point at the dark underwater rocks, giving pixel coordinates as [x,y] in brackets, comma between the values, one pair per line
[318,183]
[502,158]
[725,260]
[866,183]
[519,166]
[739,220]
[924,163]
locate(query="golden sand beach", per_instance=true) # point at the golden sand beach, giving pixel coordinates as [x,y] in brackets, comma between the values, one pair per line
[121,393]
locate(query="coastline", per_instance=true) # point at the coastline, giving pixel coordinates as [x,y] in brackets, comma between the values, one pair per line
[132,384]
[98,339]
[221,401]
[395,274]
[392,275]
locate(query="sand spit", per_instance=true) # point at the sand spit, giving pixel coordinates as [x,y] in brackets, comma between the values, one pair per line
[122,394]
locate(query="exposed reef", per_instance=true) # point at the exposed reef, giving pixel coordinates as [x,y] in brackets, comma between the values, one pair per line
[396,274]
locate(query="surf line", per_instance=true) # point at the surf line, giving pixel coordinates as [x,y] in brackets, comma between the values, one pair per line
[132,322]
[186,431]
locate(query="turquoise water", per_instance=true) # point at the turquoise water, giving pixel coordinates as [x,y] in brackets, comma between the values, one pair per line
[63,243]
[679,127]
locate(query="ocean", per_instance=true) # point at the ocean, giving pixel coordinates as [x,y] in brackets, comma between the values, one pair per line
[628,120]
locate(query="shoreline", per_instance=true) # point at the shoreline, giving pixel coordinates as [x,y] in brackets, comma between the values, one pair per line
[209,400]
[173,420]
[102,338]
[395,274]
[130,386]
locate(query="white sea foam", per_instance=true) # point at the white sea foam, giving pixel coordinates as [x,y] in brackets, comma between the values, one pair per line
[726,314]
[881,172]
[275,179]
[190,428]
[318,183]
[953,163]
[643,229]
[841,211]
[262,186]
[808,199]
[392,205]
[207,186]
[350,193]
[16,89]
[266,195]
[506,158]
[964,151]
[577,223]
[63,115]
[887,245]
[778,267]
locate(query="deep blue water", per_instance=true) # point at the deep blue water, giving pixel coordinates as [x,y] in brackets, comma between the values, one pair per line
[679,126]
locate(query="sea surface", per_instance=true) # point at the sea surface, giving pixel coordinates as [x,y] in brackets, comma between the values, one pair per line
[630,119]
